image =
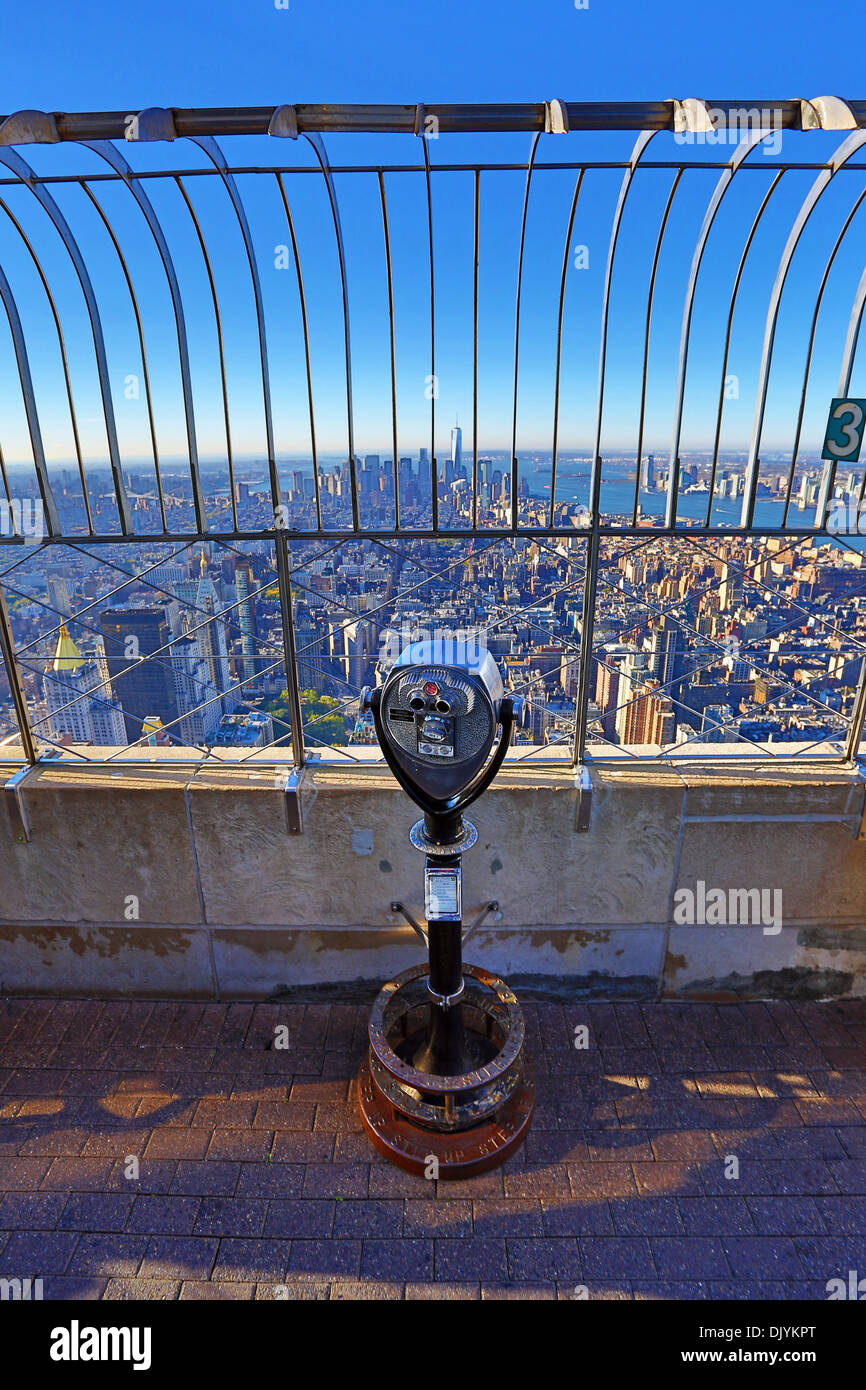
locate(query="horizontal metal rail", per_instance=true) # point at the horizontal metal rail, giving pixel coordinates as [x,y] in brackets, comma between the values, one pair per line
[793,114]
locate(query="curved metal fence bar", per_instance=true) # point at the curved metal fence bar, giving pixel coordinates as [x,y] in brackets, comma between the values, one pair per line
[393,346]
[742,152]
[306,332]
[113,157]
[852,337]
[18,166]
[218,159]
[849,146]
[559,314]
[13,527]
[646,337]
[728,329]
[220,345]
[475,265]
[141,347]
[22,362]
[61,343]
[514,508]
[433,384]
[637,154]
[829,472]
[318,146]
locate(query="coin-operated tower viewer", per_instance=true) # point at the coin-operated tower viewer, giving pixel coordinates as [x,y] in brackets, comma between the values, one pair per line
[446,1077]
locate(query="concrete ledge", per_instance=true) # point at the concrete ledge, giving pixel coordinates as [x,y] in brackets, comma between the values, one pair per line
[167,881]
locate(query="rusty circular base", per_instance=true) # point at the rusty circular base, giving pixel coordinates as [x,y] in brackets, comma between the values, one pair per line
[461,1153]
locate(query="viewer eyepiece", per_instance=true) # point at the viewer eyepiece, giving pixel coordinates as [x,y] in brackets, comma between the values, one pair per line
[438,715]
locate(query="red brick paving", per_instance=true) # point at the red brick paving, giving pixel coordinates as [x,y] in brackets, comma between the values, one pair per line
[255,1180]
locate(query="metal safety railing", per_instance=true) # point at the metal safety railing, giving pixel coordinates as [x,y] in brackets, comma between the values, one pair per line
[97,233]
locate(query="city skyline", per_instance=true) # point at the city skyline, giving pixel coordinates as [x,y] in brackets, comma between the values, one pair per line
[732,644]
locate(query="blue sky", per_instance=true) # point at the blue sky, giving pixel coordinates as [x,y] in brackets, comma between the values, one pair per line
[246,52]
[87,57]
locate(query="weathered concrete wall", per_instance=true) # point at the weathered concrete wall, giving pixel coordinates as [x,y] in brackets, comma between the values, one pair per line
[183,883]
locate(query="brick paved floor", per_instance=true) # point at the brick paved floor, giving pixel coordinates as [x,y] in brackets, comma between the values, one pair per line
[254,1180]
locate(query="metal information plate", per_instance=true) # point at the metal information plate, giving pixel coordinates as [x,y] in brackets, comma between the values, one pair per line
[442,895]
[435,750]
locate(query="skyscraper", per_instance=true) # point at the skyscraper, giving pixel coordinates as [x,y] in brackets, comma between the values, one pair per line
[456,468]
[198,709]
[212,637]
[58,595]
[310,649]
[140,687]
[246,618]
[607,684]
[631,711]
[667,649]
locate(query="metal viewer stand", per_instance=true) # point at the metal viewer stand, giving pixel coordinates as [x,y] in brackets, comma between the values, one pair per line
[446,1090]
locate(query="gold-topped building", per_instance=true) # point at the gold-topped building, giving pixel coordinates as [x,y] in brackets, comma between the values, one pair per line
[78,697]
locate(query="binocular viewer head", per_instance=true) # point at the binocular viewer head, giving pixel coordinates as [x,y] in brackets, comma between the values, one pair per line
[437,716]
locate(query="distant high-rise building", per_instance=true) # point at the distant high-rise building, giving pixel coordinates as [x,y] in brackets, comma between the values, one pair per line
[212,637]
[310,652]
[661,721]
[569,675]
[667,648]
[168,580]
[370,473]
[140,687]
[198,709]
[607,683]
[648,473]
[245,618]
[630,713]
[252,730]
[730,587]
[58,595]
[456,468]
[78,697]
[352,646]
[537,714]
[714,718]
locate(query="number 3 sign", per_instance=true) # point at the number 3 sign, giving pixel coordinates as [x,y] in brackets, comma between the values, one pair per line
[845,429]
